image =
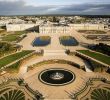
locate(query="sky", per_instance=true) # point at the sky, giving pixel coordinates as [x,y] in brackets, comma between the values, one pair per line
[42,7]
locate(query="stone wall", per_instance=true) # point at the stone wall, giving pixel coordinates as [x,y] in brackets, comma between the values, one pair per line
[21,27]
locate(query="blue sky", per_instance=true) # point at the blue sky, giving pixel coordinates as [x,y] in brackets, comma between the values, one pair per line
[22,7]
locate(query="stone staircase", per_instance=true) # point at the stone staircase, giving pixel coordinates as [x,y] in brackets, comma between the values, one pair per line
[54,52]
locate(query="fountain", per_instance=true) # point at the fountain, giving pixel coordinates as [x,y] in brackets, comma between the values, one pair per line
[57,76]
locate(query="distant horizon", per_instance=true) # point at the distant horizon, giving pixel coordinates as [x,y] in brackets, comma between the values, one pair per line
[56,15]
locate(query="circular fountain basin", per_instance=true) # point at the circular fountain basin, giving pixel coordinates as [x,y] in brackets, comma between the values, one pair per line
[56,76]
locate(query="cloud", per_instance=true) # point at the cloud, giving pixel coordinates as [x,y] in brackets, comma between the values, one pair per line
[19,7]
[90,9]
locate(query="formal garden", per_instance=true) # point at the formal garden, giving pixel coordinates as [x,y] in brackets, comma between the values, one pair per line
[94,89]
[13,94]
[12,58]
[17,89]
[103,94]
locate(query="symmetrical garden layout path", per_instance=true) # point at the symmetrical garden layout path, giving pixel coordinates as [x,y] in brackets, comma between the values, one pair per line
[59,92]
[24,67]
[55,51]
[55,43]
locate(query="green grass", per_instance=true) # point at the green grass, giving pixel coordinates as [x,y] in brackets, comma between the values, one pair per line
[9,59]
[20,32]
[101,94]
[103,58]
[13,68]
[13,95]
[13,37]
[10,37]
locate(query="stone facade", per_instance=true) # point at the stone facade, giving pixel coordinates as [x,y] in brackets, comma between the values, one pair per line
[52,28]
[87,26]
[20,27]
[66,29]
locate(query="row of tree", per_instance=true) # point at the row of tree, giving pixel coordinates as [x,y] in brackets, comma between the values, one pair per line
[6,48]
[103,48]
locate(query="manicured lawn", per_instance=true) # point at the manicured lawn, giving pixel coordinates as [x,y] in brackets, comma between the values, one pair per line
[103,58]
[20,32]
[13,68]
[10,38]
[13,37]
[9,59]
